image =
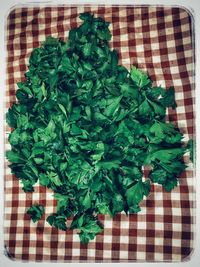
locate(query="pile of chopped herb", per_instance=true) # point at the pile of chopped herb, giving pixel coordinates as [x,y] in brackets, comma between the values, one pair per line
[84,126]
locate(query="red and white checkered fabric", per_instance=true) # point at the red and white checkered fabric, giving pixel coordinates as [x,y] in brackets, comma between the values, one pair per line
[157,39]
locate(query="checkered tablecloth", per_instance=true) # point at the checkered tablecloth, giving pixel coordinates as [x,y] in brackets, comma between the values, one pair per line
[157,39]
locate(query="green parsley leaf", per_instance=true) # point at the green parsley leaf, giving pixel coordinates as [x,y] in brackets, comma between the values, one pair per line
[139,78]
[36,212]
[58,221]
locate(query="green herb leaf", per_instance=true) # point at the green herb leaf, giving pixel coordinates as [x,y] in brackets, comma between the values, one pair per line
[58,221]
[36,212]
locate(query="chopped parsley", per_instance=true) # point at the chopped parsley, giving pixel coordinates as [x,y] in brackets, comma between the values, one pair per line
[85,126]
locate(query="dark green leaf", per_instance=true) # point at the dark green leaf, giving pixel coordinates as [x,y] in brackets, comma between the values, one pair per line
[58,221]
[35,212]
